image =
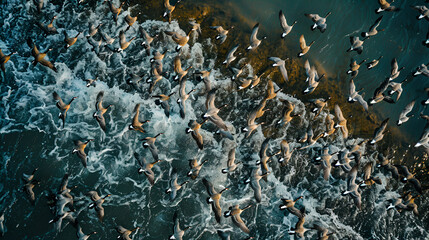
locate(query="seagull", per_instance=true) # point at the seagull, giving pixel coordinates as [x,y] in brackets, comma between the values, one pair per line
[368,180]
[163,101]
[82,236]
[319,104]
[287,115]
[283,24]
[4,59]
[409,177]
[48,29]
[124,44]
[178,69]
[251,125]
[93,29]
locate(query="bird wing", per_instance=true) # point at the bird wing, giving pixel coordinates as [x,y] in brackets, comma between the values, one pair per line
[283,22]
[377,23]
[283,71]
[352,87]
[407,109]
[99,102]
[218,121]
[93,195]
[198,139]
[339,113]
[255,30]
[264,147]
[210,100]
[177,65]
[394,65]
[122,39]
[314,17]
[236,219]
[231,157]
[302,43]
[209,186]
[307,67]
[140,160]
[362,101]
[60,101]
[231,53]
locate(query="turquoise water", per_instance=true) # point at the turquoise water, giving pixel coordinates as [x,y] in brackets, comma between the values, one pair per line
[32,135]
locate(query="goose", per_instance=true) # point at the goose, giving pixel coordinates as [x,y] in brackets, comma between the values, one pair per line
[254,41]
[82,236]
[214,198]
[154,79]
[319,104]
[426,42]
[312,77]
[395,70]
[373,29]
[169,9]
[330,126]
[95,44]
[422,69]
[403,115]
[124,44]
[244,83]
[281,65]
[319,22]
[68,215]
[283,24]
[65,191]
[62,107]
[100,110]
[157,56]
[311,140]
[194,130]
[148,39]
[342,122]
[299,228]
[410,204]
[40,57]
[260,110]
[357,44]
[264,159]
[178,69]
[423,10]
[368,180]
[80,150]
[373,63]
[325,161]
[426,102]
[96,204]
[146,167]
[234,212]
[236,72]
[289,204]
[30,183]
[196,26]
[424,139]
[183,96]
[379,94]
[231,164]
[287,115]
[212,111]
[285,152]
[70,41]
[174,186]
[251,125]
[178,38]
[396,87]
[384,162]
[48,29]
[106,38]
[93,29]
[135,81]
[357,146]
[149,142]
[230,57]
[4,59]
[255,80]
[91,82]
[271,93]
[195,168]
[352,187]
[379,132]
[322,232]
[205,77]
[177,232]
[39,5]
[385,6]
[125,233]
[303,45]
[115,11]
[397,204]
[130,20]
[222,33]
[355,96]
[254,179]
[408,177]
[354,67]
[163,101]
[136,124]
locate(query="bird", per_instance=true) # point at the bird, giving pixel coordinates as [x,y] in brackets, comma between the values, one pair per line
[80,150]
[58,219]
[70,41]
[212,111]
[424,139]
[236,72]
[426,42]
[251,125]
[124,44]
[426,102]
[149,142]
[222,33]
[91,82]
[148,39]
[385,6]
[62,107]
[93,29]
[82,236]
[174,186]
[136,124]
[379,94]
[254,41]
[342,122]
[234,212]
[330,126]
[106,38]
[40,57]
[205,77]
[177,232]
[283,24]
[264,158]
[146,167]
[287,115]
[355,96]
[313,78]
[379,132]
[384,162]
[4,59]
[162,100]
[156,77]
[130,20]
[285,152]
[231,164]
[344,160]
[29,183]
[230,57]
[408,177]
[180,39]
[125,233]
[65,191]
[97,202]
[304,47]
[289,204]
[3,229]
[100,110]
[196,26]
[323,233]
[423,10]
[214,198]
[299,228]
[352,187]
[311,140]
[369,180]
[255,176]
[39,5]
[403,115]
[157,56]
[271,92]
[115,10]
[395,70]
[96,45]
[357,44]
[244,83]
[281,65]
[373,29]
[354,67]
[48,29]
[320,104]
[422,69]
[169,9]
[194,130]
[373,63]
[396,87]
[255,80]
[195,168]
[325,160]
[183,96]
[319,22]
[180,73]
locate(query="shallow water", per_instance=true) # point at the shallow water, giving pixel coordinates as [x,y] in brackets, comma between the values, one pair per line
[32,136]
